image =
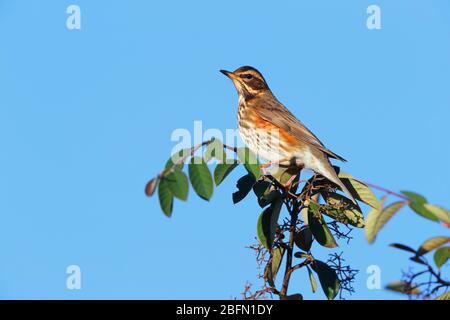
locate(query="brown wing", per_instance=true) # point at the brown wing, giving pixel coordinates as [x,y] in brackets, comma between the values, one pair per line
[277,114]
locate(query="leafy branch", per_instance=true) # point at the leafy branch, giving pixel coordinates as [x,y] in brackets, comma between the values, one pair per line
[314,212]
[296,214]
[429,281]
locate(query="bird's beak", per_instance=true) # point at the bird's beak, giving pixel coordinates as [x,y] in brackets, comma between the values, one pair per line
[229,74]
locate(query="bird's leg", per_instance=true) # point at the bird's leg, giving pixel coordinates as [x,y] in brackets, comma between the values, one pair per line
[298,169]
[289,182]
[282,162]
[264,167]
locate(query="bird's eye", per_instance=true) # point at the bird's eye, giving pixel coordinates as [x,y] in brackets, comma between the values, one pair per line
[247,76]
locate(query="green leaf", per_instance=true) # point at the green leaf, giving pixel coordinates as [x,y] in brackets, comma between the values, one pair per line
[376,219]
[268,224]
[431,244]
[304,239]
[250,161]
[403,287]
[201,178]
[444,296]
[343,210]
[441,256]
[360,191]
[165,198]
[277,258]
[264,193]
[273,266]
[328,279]
[415,197]
[150,187]
[419,205]
[283,174]
[403,247]
[304,214]
[176,157]
[215,149]
[422,210]
[178,184]
[222,170]
[319,228]
[312,280]
[438,212]
[244,185]
[268,198]
[261,189]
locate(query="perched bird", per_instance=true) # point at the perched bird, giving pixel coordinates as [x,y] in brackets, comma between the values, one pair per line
[272,132]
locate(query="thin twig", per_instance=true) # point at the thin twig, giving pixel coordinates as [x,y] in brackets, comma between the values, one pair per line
[387,191]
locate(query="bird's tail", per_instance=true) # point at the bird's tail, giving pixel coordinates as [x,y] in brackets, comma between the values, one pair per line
[331,175]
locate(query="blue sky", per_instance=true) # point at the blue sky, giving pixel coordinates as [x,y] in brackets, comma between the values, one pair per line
[86,117]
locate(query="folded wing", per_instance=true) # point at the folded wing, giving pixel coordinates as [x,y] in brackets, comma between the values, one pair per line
[281,117]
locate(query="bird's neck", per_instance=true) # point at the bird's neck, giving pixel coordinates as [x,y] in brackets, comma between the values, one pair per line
[245,96]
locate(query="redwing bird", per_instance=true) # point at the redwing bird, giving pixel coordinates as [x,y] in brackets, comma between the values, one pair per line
[272,132]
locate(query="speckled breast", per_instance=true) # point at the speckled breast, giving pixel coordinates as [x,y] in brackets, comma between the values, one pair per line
[263,138]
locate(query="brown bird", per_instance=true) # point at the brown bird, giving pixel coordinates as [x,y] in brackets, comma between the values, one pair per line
[272,132]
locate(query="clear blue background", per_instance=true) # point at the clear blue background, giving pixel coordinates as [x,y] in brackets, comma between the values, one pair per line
[86,118]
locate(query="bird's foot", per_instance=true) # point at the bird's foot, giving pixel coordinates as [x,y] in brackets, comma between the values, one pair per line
[288,183]
[263,167]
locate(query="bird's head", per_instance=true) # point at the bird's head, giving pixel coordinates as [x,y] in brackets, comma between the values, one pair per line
[247,80]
